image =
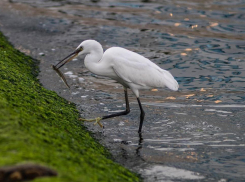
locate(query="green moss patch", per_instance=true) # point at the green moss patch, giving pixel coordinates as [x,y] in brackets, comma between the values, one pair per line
[38,126]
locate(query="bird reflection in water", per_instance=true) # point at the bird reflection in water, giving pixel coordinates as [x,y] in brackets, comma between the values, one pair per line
[140,144]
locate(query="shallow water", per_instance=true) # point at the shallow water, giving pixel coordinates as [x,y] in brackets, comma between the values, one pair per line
[196,134]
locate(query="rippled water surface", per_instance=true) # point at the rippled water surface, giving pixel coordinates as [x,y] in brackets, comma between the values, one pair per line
[196,134]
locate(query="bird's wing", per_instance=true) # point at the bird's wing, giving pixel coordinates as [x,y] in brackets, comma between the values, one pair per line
[144,74]
[120,52]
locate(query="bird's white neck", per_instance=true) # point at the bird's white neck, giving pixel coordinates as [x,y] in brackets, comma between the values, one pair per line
[92,59]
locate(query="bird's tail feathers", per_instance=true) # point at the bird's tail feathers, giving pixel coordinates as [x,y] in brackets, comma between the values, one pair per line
[169,81]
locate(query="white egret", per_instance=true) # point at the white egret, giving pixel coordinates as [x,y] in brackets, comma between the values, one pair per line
[128,68]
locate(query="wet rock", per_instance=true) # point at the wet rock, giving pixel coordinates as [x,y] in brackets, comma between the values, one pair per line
[24,172]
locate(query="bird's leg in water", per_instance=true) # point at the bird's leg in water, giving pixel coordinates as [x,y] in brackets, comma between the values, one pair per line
[123,112]
[97,120]
[142,115]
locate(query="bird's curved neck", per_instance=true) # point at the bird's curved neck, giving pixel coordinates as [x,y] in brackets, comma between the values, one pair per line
[92,59]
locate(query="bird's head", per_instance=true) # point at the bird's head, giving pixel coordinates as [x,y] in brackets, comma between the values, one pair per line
[84,48]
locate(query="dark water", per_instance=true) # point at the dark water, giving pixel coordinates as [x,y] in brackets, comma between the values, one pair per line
[196,134]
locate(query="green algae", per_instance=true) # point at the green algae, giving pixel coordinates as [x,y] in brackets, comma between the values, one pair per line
[38,126]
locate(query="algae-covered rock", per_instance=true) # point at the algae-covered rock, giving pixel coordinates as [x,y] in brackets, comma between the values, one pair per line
[36,125]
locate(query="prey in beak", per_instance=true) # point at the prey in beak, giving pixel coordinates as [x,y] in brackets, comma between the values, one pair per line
[63,62]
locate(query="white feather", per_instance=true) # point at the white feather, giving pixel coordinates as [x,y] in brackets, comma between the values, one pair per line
[128,68]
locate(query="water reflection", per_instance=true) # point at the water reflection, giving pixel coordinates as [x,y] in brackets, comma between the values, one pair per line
[140,144]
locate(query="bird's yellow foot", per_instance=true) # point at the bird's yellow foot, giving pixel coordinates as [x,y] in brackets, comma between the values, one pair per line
[97,121]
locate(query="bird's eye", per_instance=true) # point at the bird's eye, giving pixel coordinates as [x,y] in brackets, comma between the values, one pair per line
[79,49]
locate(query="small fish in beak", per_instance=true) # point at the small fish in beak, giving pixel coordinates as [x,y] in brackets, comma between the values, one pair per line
[63,62]
[61,76]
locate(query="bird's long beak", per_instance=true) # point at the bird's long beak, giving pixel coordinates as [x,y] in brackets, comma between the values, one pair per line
[63,62]
[67,59]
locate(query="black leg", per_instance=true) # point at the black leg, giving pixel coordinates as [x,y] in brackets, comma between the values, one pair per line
[142,115]
[120,113]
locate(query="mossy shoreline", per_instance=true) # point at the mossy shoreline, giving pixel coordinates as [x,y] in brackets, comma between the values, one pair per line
[38,126]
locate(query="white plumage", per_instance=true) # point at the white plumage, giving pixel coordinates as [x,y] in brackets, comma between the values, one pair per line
[126,67]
